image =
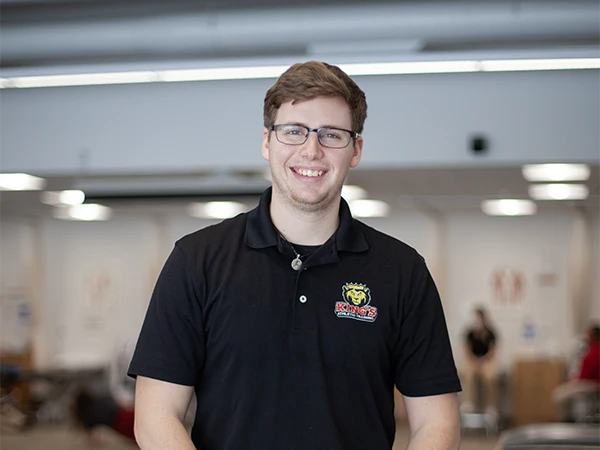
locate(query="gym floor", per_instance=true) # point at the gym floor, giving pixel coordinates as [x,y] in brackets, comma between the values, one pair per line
[64,438]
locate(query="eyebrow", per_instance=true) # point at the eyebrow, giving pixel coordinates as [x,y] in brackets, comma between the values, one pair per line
[323,126]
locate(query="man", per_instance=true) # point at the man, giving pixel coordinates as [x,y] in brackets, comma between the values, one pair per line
[586,381]
[292,323]
[480,351]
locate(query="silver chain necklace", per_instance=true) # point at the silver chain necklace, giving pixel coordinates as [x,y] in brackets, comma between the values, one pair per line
[297,261]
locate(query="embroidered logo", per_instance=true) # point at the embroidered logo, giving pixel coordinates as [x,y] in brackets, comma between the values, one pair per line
[357,297]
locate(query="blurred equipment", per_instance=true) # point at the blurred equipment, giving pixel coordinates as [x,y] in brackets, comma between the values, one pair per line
[556,436]
[56,389]
[534,383]
[13,417]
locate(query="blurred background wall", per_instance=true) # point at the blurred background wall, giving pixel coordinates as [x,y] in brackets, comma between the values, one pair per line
[71,289]
[88,284]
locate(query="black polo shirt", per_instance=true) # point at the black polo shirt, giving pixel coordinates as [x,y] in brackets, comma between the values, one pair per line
[285,359]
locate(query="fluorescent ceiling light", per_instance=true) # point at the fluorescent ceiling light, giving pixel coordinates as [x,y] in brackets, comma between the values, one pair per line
[369,208]
[20,182]
[81,79]
[68,197]
[351,192]
[508,207]
[273,71]
[225,73]
[85,212]
[556,172]
[406,68]
[513,65]
[558,191]
[216,210]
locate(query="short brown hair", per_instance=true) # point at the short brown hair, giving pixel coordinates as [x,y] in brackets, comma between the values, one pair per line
[305,81]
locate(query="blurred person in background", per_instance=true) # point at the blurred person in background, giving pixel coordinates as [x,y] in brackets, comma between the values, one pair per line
[98,406]
[293,322]
[586,380]
[480,366]
[93,411]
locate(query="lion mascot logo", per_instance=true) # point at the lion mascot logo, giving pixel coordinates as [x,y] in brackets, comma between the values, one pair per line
[356,294]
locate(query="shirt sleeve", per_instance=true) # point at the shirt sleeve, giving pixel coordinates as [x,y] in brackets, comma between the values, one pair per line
[171,344]
[423,359]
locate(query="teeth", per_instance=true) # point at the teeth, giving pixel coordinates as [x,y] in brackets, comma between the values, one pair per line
[310,173]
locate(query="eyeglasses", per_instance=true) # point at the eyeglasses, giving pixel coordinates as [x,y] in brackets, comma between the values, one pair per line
[328,137]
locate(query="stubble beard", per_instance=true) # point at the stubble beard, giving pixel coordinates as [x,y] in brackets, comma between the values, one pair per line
[292,197]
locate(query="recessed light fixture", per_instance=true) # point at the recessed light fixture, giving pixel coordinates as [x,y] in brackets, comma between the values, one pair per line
[86,212]
[67,197]
[351,192]
[508,207]
[556,172]
[369,208]
[558,191]
[21,182]
[216,210]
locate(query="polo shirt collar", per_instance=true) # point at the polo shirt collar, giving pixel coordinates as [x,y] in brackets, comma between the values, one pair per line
[261,233]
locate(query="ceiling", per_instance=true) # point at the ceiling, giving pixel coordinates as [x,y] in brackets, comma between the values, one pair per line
[428,190]
[44,34]
[57,36]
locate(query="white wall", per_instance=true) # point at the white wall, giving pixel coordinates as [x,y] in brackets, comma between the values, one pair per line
[420,120]
[537,248]
[17,283]
[96,278]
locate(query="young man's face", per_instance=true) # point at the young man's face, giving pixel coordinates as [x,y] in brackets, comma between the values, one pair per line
[310,176]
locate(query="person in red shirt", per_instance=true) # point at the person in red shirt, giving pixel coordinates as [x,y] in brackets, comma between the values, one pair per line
[590,366]
[586,381]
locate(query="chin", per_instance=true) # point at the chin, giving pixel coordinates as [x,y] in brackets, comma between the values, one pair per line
[313,203]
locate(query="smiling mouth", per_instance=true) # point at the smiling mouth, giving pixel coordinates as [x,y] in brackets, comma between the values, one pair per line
[309,173]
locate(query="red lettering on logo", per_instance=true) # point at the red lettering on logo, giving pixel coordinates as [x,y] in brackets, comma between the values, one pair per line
[339,306]
[354,309]
[372,312]
[362,311]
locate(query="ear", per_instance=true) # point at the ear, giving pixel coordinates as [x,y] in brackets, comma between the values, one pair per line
[357,152]
[265,145]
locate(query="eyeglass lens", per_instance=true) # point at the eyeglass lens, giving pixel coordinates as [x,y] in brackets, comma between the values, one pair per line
[298,134]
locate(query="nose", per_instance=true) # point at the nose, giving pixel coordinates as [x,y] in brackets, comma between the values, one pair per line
[312,147]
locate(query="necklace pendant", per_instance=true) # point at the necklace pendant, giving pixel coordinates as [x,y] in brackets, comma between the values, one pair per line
[296,263]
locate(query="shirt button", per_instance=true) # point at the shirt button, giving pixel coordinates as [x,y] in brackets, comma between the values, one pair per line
[303,299]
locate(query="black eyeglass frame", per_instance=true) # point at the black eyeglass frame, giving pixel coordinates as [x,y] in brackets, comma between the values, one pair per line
[353,134]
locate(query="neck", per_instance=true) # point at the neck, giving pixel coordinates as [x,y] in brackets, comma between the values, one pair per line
[304,227]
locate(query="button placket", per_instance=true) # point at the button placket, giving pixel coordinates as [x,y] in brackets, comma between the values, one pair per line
[303,309]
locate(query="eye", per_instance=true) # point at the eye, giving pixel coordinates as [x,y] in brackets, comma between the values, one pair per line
[331,134]
[294,131]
